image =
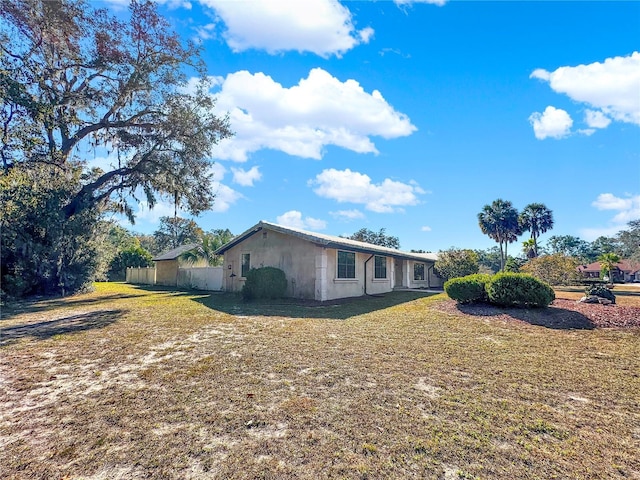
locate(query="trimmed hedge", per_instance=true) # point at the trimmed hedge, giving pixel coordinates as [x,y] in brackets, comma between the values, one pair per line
[468,289]
[519,289]
[264,282]
[600,291]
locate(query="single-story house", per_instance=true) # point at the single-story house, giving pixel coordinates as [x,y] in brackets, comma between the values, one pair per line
[167,265]
[624,271]
[324,267]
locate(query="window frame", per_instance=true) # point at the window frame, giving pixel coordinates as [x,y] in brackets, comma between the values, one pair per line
[343,269]
[379,270]
[243,272]
[415,271]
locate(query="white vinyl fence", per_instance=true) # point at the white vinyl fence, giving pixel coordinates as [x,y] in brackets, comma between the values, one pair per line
[198,278]
[141,275]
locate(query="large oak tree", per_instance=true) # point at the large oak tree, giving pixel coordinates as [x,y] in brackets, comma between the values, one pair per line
[77,82]
[74,78]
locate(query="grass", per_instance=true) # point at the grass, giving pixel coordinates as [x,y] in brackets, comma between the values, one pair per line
[132,382]
[627,294]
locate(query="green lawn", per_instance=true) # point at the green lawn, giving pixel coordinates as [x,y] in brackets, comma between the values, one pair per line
[131,382]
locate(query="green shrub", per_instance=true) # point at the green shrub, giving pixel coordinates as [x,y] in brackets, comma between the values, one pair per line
[519,289]
[468,289]
[600,291]
[264,282]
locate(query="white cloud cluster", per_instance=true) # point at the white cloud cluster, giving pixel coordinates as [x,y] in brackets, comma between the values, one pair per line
[225,196]
[246,177]
[610,89]
[627,208]
[425,229]
[354,187]
[162,208]
[553,122]
[323,27]
[301,120]
[347,215]
[294,219]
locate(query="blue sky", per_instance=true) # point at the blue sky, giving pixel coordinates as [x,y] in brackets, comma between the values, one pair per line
[412,116]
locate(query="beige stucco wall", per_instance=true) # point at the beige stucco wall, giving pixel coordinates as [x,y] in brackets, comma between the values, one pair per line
[167,272]
[295,257]
[406,275]
[311,270]
[341,287]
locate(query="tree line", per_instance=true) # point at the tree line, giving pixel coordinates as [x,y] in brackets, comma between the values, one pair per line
[556,261]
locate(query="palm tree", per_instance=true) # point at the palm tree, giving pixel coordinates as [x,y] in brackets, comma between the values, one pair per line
[209,244]
[529,248]
[607,262]
[536,218]
[500,221]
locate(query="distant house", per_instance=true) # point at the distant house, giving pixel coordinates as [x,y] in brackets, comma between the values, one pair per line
[324,267]
[624,271]
[168,263]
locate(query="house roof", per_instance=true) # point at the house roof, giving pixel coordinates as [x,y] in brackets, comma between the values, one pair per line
[623,265]
[328,241]
[175,253]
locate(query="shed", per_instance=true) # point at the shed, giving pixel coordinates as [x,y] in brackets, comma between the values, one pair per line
[167,265]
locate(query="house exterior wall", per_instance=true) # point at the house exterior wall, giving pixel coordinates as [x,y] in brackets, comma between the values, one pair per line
[312,270]
[355,287]
[294,256]
[167,272]
[405,275]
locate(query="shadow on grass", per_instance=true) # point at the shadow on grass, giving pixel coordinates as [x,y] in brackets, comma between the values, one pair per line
[339,309]
[549,317]
[44,304]
[47,329]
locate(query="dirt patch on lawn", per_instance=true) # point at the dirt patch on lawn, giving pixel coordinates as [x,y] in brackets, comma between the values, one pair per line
[561,314]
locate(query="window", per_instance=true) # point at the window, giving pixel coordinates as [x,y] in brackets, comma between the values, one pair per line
[418,271]
[380,267]
[246,264]
[346,264]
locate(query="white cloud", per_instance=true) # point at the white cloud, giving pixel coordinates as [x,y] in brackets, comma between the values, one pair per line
[347,186]
[627,208]
[104,163]
[301,120]
[246,177]
[162,208]
[425,229]
[347,215]
[225,196]
[597,119]
[553,122]
[323,27]
[590,234]
[411,2]
[610,87]
[293,219]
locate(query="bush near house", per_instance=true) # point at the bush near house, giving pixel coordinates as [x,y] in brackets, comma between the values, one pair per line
[468,289]
[264,282]
[518,289]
